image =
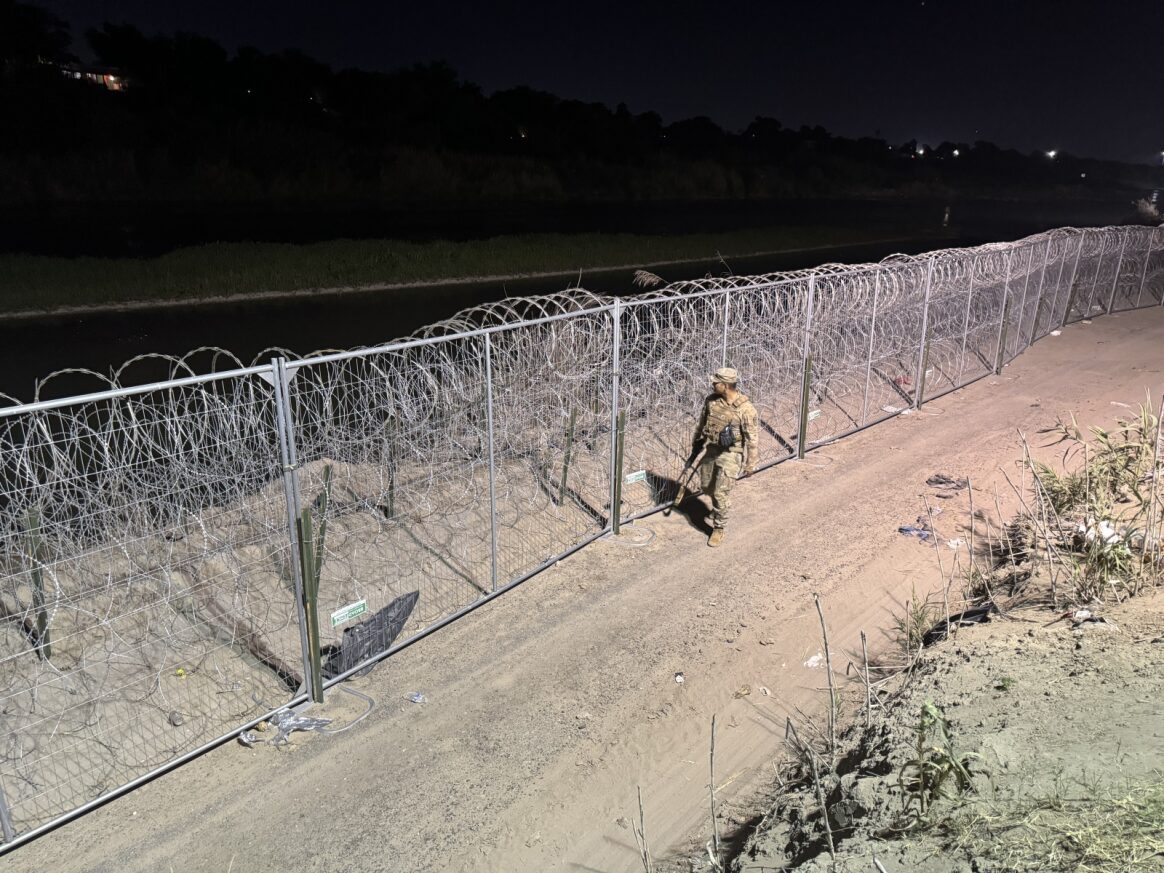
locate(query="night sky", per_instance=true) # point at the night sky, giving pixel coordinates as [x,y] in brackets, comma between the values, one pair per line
[1082,77]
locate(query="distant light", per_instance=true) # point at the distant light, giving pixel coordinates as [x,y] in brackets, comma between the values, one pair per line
[1082,175]
[920,150]
[1051,154]
[956,153]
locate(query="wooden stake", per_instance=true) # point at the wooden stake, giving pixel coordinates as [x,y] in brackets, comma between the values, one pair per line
[566,459]
[711,789]
[868,687]
[832,688]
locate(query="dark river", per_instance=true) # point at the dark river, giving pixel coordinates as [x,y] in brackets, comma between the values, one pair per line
[101,341]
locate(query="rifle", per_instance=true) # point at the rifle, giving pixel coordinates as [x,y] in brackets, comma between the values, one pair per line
[681,484]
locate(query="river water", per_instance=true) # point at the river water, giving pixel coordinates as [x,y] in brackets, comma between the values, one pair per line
[102,341]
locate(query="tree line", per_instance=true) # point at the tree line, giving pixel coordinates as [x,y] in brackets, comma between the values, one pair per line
[196,122]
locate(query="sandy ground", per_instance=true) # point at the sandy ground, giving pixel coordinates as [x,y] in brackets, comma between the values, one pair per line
[547,708]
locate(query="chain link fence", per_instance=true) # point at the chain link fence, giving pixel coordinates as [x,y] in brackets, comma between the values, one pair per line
[155,598]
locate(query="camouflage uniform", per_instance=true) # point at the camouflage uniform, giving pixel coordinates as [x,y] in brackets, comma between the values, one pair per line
[720,467]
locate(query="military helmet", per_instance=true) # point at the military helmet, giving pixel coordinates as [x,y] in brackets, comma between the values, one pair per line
[727,375]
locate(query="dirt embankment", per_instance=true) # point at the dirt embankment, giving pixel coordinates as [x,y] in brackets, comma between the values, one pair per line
[1060,725]
[547,709]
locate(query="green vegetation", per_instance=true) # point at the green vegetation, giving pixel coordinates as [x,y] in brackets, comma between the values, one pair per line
[935,770]
[1105,509]
[34,282]
[1099,831]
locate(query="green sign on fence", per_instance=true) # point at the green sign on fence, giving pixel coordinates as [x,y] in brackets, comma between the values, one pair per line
[347,613]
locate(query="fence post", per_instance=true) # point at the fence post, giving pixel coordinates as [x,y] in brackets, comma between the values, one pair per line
[1095,279]
[1155,231]
[1115,284]
[1039,291]
[727,311]
[1074,273]
[869,357]
[7,832]
[288,458]
[923,351]
[615,490]
[966,323]
[492,463]
[616,498]
[1026,286]
[1145,268]
[999,350]
[1144,275]
[1054,296]
[806,369]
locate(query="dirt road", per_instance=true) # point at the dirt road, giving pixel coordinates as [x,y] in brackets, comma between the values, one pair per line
[549,707]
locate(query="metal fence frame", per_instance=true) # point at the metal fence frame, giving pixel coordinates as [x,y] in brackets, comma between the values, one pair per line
[826,350]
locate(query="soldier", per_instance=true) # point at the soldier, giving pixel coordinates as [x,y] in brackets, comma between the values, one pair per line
[727,429]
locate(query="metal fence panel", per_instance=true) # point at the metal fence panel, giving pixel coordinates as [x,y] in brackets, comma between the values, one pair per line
[984,308]
[897,338]
[403,436]
[552,407]
[766,344]
[839,343]
[144,587]
[1152,282]
[1132,264]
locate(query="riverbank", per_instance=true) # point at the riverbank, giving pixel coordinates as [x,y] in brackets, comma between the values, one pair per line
[1056,723]
[235,272]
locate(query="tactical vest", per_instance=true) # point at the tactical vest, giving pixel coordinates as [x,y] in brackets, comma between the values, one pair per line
[720,414]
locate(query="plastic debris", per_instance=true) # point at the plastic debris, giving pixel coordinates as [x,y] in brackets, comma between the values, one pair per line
[941,480]
[742,691]
[679,680]
[955,544]
[1104,530]
[1080,617]
[285,722]
[765,691]
[977,615]
[890,409]
[816,661]
[374,635]
[911,530]
[417,697]
[176,718]
[1056,333]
